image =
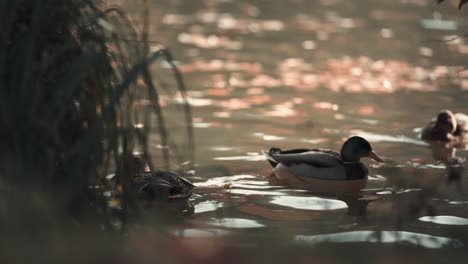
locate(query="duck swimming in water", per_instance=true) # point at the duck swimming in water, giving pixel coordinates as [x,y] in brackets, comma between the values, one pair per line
[158,184]
[447,127]
[324,170]
[151,186]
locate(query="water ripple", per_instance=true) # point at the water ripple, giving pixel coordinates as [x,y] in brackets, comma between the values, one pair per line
[246,158]
[218,181]
[255,192]
[373,137]
[194,232]
[207,206]
[309,203]
[418,239]
[234,223]
[445,220]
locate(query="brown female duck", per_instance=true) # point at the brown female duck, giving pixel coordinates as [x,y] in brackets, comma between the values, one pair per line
[446,127]
[158,184]
[152,185]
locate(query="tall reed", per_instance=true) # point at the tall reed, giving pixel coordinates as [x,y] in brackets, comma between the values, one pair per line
[71,75]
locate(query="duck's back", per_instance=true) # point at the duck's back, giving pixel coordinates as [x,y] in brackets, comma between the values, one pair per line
[161,183]
[317,164]
[320,158]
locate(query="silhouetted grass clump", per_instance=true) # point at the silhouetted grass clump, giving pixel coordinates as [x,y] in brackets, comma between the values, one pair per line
[70,76]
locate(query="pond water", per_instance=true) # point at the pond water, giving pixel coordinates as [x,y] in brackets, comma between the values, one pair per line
[310,74]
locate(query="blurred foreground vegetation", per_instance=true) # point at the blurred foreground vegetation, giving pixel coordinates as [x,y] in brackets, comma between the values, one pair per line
[71,74]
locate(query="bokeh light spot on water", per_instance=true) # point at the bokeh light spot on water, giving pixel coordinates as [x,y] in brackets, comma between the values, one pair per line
[245,158]
[234,223]
[458,202]
[208,206]
[268,137]
[444,220]
[255,192]
[326,105]
[193,232]
[374,137]
[257,185]
[220,181]
[417,239]
[309,203]
[309,45]
[221,148]
[386,33]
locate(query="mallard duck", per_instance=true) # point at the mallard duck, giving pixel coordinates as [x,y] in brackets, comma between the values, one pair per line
[158,184]
[446,127]
[162,185]
[154,186]
[324,170]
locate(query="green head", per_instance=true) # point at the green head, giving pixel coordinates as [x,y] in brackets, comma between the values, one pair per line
[356,148]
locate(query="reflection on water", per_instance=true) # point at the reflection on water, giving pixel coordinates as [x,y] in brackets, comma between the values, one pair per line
[219,181]
[373,137]
[257,192]
[309,203]
[234,223]
[246,158]
[445,220]
[254,185]
[403,237]
[207,206]
[192,232]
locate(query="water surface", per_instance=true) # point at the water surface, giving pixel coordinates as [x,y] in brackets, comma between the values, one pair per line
[310,74]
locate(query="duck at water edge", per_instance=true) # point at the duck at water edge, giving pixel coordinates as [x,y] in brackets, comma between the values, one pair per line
[158,185]
[164,190]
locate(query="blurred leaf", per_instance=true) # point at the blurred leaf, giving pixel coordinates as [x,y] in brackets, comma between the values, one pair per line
[460,4]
